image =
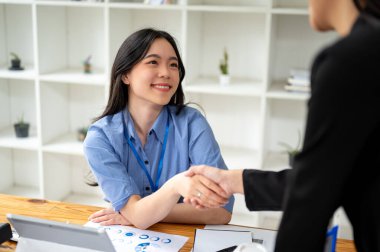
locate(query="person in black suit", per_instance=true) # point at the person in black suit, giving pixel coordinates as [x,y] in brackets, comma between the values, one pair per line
[339,164]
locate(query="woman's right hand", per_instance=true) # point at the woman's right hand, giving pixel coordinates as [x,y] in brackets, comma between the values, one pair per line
[208,193]
[107,217]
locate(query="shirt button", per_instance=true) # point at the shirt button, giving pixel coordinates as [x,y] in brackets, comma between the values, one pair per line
[146,162]
[147,188]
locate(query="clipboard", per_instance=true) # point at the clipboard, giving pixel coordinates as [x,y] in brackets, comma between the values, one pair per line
[36,234]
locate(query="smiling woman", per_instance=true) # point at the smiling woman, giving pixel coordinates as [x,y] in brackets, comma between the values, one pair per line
[146,138]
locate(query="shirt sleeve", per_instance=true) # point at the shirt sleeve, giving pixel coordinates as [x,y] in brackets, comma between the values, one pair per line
[342,115]
[203,148]
[264,190]
[108,169]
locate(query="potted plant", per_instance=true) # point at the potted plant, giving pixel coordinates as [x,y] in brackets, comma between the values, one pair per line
[224,78]
[292,151]
[87,65]
[82,133]
[15,62]
[21,128]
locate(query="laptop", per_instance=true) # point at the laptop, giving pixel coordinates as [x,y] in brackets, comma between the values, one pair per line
[60,233]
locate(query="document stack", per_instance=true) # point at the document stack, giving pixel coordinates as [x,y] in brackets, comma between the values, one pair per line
[299,81]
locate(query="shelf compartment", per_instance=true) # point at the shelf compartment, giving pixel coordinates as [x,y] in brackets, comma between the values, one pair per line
[290,4]
[276,161]
[16,35]
[63,44]
[8,139]
[124,22]
[290,11]
[244,134]
[141,6]
[65,178]
[239,158]
[285,120]
[20,173]
[228,3]
[17,98]
[64,109]
[76,76]
[65,144]
[99,3]
[27,74]
[237,87]
[292,34]
[209,33]
[277,91]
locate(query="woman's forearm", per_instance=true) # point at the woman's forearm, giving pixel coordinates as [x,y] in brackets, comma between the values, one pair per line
[144,212]
[185,213]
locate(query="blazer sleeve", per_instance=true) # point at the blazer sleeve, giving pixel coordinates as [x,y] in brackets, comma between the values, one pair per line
[264,190]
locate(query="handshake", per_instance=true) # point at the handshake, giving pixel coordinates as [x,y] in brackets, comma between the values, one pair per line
[211,187]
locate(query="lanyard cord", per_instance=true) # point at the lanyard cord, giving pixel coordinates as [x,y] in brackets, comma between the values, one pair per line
[154,186]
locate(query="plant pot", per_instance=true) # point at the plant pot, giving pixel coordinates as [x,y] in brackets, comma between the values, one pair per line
[224,80]
[81,135]
[22,130]
[87,68]
[16,65]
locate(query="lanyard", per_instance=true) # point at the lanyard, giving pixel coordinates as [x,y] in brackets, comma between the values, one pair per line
[154,186]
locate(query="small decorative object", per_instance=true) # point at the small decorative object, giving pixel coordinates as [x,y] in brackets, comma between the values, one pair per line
[224,78]
[87,65]
[82,133]
[15,62]
[292,151]
[21,128]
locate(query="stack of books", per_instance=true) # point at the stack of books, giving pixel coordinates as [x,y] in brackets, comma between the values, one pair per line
[299,81]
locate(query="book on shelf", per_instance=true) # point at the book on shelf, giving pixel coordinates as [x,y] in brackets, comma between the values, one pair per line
[299,81]
[297,88]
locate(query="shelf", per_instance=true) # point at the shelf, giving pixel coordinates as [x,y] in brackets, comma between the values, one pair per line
[16,1]
[239,158]
[70,3]
[25,191]
[8,139]
[27,74]
[65,144]
[233,9]
[237,87]
[290,11]
[76,76]
[276,161]
[86,199]
[142,6]
[277,91]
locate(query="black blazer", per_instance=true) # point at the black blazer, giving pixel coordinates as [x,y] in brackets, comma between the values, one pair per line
[340,161]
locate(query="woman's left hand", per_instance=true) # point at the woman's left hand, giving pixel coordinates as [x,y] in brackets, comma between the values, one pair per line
[107,217]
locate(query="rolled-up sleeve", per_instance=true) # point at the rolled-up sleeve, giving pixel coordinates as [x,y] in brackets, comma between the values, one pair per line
[204,148]
[111,174]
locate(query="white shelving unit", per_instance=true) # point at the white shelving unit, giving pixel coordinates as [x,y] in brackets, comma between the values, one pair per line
[264,39]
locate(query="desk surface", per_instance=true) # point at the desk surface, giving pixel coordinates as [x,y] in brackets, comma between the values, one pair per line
[78,214]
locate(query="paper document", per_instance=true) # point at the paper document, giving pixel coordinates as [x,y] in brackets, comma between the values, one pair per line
[207,240]
[126,238]
[267,238]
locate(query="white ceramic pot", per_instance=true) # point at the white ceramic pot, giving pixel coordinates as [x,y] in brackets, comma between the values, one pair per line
[224,80]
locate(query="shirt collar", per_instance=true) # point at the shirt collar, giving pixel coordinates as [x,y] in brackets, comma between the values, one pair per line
[158,127]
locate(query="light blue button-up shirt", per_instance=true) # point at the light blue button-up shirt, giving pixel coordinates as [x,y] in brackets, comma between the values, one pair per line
[190,142]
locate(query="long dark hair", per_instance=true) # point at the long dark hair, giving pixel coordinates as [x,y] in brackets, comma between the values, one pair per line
[131,52]
[371,7]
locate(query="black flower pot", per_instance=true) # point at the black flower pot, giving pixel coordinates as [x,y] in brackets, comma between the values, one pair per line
[22,130]
[16,65]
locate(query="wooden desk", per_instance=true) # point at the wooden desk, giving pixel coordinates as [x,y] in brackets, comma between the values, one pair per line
[78,214]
